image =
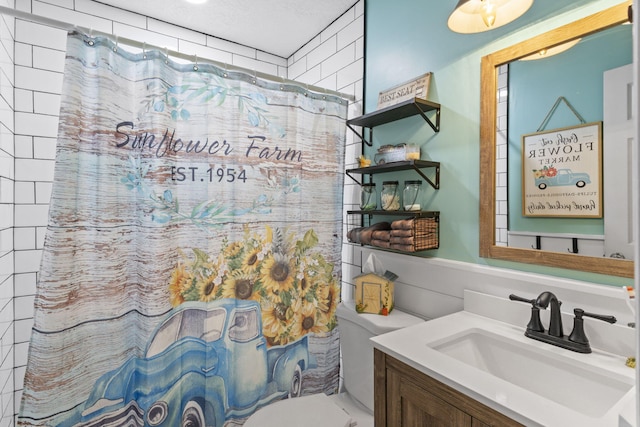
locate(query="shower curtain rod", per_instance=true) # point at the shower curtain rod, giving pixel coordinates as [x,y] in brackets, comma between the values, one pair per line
[26,16]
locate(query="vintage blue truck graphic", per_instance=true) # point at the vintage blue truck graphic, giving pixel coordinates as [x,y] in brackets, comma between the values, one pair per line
[205,363]
[559,177]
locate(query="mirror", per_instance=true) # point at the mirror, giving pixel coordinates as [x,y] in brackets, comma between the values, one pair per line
[491,65]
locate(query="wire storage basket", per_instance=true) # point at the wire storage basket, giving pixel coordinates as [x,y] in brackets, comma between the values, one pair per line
[415,234]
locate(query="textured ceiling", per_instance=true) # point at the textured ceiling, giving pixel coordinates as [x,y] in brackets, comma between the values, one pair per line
[279,27]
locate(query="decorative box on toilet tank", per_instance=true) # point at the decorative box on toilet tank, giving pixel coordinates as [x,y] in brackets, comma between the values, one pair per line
[374,293]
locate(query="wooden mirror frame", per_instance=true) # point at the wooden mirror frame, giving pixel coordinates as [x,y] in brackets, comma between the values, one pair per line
[611,17]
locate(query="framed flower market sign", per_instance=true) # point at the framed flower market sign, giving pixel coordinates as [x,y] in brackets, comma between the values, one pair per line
[562,172]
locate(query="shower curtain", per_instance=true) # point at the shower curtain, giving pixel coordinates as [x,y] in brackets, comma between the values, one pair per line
[191,268]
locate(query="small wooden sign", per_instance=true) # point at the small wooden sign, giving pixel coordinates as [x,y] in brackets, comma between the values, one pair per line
[414,88]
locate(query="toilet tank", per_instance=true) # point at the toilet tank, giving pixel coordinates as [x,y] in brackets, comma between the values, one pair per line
[357,351]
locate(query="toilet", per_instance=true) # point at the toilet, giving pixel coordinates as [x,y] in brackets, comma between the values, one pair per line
[354,405]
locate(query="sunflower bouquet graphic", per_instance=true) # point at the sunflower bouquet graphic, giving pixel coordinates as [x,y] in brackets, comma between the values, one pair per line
[295,286]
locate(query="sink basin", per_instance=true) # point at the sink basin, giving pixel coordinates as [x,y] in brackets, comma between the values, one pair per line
[532,382]
[580,387]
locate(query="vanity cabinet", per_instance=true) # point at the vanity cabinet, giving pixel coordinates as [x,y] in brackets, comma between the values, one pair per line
[407,397]
[425,220]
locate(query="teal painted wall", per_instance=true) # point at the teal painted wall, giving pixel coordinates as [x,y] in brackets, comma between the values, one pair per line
[534,87]
[406,38]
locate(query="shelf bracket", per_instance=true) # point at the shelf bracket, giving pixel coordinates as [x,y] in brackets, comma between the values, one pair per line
[435,185]
[351,176]
[361,135]
[436,126]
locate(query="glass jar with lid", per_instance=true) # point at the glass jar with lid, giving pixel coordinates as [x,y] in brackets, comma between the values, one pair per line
[368,197]
[390,196]
[411,195]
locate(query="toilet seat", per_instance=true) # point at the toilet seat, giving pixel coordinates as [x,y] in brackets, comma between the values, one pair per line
[316,410]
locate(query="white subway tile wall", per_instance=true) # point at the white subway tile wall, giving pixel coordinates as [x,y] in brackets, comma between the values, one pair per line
[7,200]
[502,225]
[333,60]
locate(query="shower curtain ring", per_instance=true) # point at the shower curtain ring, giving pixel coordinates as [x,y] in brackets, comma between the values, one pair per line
[144,50]
[282,84]
[115,48]
[255,77]
[195,66]
[225,71]
[166,54]
[90,42]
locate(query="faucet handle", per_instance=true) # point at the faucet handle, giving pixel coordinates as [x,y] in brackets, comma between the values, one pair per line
[514,297]
[534,323]
[608,319]
[578,335]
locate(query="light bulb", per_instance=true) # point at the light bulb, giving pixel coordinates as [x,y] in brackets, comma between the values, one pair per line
[488,13]
[475,16]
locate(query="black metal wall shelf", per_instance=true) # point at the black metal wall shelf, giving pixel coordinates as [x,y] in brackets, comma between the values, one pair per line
[392,113]
[415,165]
[414,214]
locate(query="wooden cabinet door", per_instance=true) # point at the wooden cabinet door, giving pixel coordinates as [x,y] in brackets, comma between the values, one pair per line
[405,397]
[408,405]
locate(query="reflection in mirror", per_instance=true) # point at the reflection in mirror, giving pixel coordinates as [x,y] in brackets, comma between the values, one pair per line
[549,52]
[576,78]
[529,103]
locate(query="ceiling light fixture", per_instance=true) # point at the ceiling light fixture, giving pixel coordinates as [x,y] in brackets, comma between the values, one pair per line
[475,16]
[545,53]
[197,1]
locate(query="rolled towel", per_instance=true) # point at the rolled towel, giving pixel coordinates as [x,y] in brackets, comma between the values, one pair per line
[353,235]
[402,224]
[366,233]
[381,243]
[383,225]
[402,241]
[381,235]
[363,234]
[401,233]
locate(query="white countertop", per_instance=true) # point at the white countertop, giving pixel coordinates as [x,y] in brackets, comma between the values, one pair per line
[412,346]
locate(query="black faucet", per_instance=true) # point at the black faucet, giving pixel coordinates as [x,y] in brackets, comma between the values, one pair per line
[576,341]
[555,321]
